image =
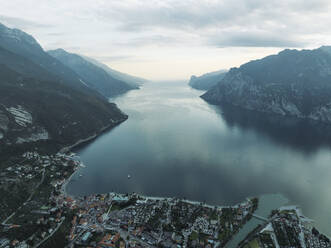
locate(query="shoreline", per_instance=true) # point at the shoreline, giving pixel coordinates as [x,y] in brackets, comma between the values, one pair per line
[297,118]
[154,198]
[69,148]
[92,137]
[64,185]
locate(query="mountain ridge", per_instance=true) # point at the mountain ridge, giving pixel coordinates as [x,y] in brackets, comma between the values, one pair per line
[207,80]
[91,75]
[296,83]
[23,44]
[132,80]
[42,108]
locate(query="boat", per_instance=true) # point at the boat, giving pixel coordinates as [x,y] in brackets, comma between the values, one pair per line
[129,176]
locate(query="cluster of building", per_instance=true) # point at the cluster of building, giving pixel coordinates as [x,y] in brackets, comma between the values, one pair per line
[115,220]
[21,170]
[31,165]
[109,220]
[38,216]
[287,227]
[118,220]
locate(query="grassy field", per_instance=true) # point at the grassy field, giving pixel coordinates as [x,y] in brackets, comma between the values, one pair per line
[253,244]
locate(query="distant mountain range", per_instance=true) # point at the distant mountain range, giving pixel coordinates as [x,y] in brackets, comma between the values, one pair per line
[296,83]
[208,80]
[24,45]
[92,75]
[131,80]
[48,100]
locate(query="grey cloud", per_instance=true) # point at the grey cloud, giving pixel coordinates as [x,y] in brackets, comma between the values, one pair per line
[113,58]
[210,18]
[178,15]
[252,23]
[145,40]
[254,39]
[21,23]
[56,34]
[201,14]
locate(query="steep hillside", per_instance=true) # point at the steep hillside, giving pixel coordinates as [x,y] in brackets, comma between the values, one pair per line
[38,106]
[91,75]
[208,80]
[32,110]
[296,83]
[132,80]
[23,44]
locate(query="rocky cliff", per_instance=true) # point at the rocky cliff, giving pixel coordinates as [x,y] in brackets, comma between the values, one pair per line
[207,81]
[296,83]
[42,102]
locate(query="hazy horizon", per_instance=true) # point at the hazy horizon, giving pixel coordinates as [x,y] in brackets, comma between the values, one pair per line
[171,40]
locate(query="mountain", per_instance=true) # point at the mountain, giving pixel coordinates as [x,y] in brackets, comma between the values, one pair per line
[91,75]
[208,80]
[132,80]
[23,44]
[41,106]
[326,49]
[296,83]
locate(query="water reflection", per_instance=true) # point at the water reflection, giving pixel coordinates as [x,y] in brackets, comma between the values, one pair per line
[175,144]
[305,135]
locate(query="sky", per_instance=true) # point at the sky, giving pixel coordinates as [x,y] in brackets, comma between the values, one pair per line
[172,39]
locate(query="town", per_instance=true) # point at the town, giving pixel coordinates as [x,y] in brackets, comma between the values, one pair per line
[48,215]
[115,220]
[287,227]
[36,212]
[28,185]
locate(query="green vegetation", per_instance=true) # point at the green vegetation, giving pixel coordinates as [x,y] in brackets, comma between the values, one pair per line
[252,244]
[115,207]
[213,215]
[194,236]
[255,202]
[59,238]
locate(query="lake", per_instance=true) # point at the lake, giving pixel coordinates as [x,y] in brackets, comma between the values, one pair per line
[175,144]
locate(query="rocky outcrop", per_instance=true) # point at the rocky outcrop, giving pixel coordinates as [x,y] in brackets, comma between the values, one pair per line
[295,83]
[207,81]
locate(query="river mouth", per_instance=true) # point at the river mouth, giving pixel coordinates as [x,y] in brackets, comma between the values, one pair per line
[174,144]
[267,203]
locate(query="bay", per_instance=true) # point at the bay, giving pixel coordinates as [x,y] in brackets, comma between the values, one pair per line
[175,144]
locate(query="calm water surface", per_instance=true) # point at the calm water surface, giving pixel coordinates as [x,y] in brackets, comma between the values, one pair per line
[176,144]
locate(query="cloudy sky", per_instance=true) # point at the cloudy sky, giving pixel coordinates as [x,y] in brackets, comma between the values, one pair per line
[172,39]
